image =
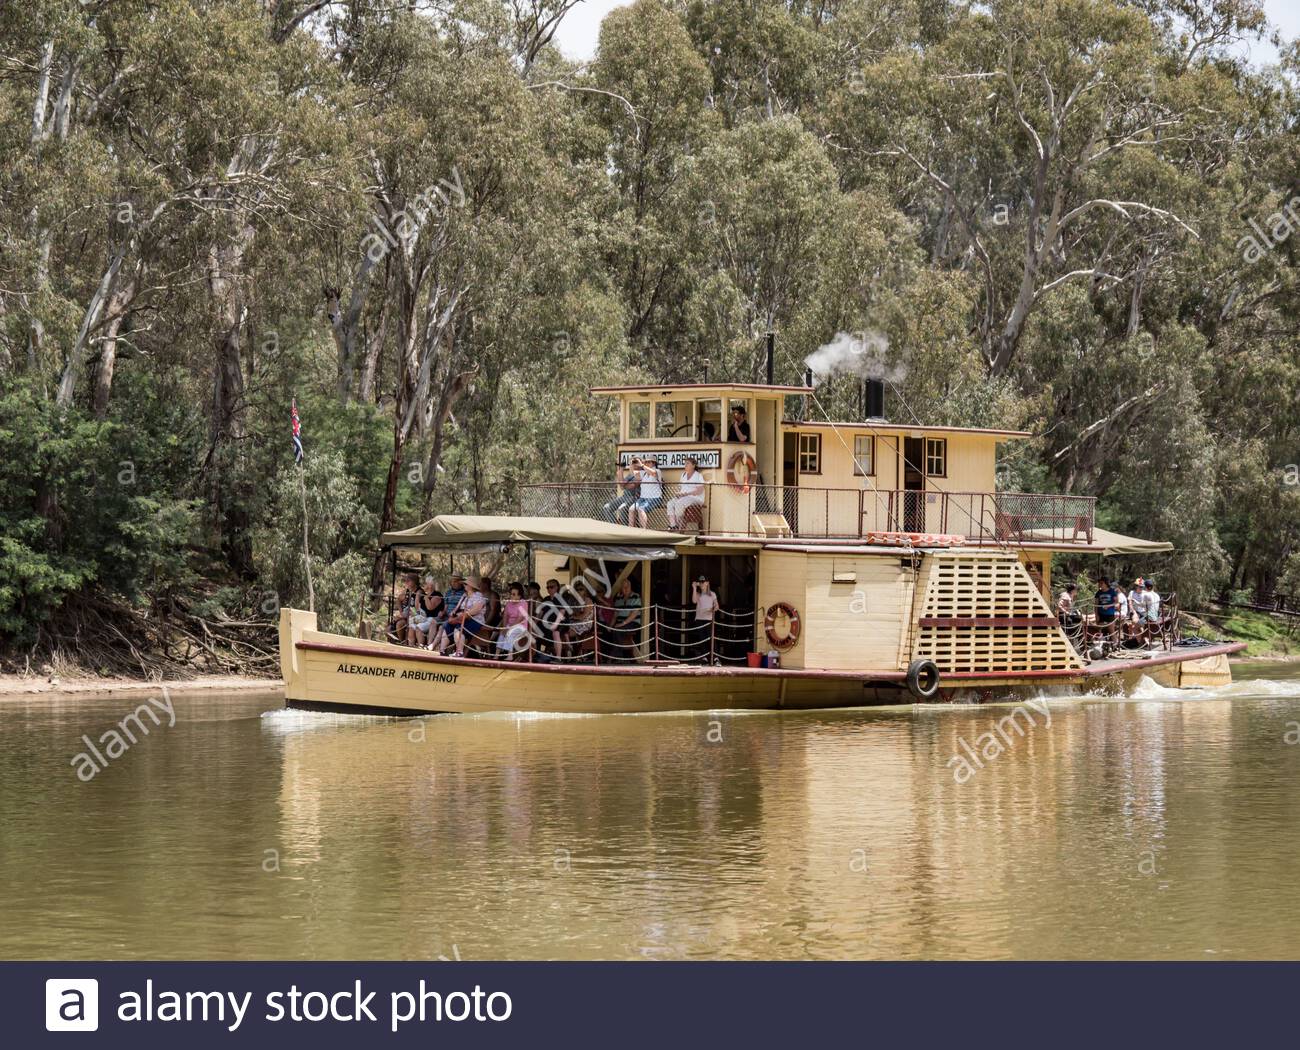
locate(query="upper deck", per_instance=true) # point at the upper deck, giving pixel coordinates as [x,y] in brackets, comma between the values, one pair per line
[772,472]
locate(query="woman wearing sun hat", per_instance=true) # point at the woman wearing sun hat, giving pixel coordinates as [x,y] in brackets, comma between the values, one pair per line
[467,621]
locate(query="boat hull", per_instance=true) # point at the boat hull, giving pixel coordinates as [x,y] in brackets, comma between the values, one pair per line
[334,672]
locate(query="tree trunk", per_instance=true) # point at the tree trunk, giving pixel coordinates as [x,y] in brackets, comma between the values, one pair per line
[228,421]
[117,310]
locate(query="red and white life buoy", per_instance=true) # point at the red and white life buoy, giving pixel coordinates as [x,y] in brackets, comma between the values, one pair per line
[781,623]
[740,480]
[914,539]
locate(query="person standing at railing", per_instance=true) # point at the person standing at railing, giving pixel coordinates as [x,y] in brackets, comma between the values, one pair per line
[651,494]
[629,482]
[706,607]
[690,493]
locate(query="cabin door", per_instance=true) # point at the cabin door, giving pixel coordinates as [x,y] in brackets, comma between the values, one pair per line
[790,479]
[913,485]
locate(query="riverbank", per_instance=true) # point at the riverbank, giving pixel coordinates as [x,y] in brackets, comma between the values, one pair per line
[13,686]
[1267,637]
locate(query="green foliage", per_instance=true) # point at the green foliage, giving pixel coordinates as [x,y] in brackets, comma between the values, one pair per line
[84,502]
[1052,210]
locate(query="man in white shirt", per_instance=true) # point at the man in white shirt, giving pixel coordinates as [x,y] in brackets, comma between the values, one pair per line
[690,493]
[1137,600]
[1151,604]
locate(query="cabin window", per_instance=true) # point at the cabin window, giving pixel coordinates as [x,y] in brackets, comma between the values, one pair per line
[674,419]
[864,454]
[936,457]
[638,420]
[710,413]
[810,453]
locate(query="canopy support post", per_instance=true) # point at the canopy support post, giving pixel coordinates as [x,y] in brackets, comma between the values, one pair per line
[392,587]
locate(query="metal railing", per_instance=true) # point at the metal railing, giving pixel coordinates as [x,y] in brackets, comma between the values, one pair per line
[1006,518]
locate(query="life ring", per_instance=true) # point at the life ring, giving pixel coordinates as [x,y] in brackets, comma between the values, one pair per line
[740,484]
[791,638]
[923,679]
[914,539]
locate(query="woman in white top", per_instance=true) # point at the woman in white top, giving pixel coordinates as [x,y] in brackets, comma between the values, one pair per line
[690,493]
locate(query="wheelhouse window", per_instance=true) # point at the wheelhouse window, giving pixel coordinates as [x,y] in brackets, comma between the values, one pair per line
[936,457]
[740,424]
[864,454]
[638,420]
[810,453]
[710,415]
[674,419]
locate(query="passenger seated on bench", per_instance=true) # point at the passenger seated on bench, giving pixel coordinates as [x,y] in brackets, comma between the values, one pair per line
[424,618]
[652,493]
[582,623]
[625,633]
[690,493]
[514,639]
[1137,600]
[467,621]
[629,481]
[397,630]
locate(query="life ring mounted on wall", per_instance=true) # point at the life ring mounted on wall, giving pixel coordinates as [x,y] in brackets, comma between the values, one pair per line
[782,625]
[741,469]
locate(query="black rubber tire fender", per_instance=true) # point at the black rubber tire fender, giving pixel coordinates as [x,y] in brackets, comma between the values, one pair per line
[923,679]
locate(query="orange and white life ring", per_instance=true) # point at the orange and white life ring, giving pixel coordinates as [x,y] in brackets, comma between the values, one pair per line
[738,480]
[782,625]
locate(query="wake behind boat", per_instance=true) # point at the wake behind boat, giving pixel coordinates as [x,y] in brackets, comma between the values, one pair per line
[910,578]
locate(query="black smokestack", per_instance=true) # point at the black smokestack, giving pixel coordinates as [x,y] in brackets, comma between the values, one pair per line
[771,358]
[873,399]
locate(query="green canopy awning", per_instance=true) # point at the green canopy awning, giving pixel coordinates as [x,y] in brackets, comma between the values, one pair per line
[1105,542]
[485,530]
[1114,544]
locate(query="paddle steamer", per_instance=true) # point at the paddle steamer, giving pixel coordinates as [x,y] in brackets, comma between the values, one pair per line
[868,562]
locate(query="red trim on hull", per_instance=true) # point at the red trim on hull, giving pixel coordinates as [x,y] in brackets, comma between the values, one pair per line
[659,670]
[1103,667]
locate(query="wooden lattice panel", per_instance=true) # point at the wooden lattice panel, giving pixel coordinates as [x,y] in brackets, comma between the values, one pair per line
[990,585]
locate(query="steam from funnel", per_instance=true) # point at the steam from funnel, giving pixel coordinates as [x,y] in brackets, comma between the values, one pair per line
[862,354]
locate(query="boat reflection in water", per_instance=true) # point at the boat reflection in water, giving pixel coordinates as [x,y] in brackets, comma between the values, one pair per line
[1120,829]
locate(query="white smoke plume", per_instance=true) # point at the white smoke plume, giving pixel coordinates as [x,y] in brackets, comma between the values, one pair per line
[863,354]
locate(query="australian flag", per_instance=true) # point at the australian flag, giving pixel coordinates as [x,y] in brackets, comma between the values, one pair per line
[297,432]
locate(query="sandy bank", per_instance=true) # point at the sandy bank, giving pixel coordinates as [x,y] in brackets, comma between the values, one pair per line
[12,685]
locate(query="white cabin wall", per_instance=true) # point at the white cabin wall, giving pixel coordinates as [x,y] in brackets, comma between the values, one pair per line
[782,577]
[857,625]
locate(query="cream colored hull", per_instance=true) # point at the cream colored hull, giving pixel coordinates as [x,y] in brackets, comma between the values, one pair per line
[333,670]
[339,672]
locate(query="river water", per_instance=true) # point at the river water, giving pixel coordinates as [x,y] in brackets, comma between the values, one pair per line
[1162,827]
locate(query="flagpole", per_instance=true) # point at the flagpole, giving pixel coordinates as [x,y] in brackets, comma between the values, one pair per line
[302,491]
[306,548]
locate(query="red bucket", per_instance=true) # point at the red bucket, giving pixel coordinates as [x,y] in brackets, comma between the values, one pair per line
[754,659]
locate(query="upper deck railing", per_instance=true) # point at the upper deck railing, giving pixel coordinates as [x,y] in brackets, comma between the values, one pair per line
[1008,518]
